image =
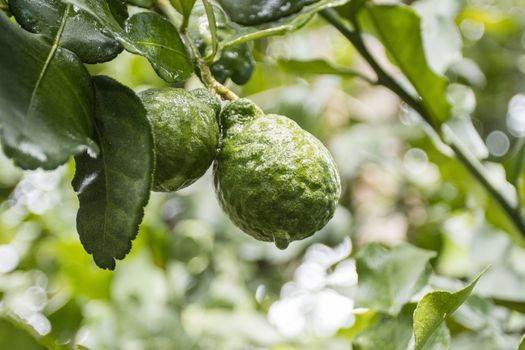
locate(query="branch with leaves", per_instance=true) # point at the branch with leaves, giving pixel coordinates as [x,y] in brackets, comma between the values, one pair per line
[477,170]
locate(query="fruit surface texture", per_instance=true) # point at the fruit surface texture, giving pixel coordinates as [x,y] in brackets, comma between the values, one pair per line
[276,181]
[186,133]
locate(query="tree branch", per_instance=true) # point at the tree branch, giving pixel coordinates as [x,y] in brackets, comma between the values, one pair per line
[383,78]
[205,73]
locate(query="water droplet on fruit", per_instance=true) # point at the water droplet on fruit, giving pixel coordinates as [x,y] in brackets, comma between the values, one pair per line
[282,242]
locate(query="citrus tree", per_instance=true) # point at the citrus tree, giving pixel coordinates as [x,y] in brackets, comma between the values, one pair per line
[216,66]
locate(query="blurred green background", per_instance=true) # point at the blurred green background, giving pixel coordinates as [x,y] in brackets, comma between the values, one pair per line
[195,281]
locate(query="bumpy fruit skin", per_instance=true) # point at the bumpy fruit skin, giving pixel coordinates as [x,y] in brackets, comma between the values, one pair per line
[276,181]
[186,134]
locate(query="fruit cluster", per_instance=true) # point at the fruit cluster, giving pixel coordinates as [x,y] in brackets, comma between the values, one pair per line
[273,179]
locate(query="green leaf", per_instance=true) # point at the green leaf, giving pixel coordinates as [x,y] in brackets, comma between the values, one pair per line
[147,34]
[4,7]
[390,333]
[66,321]
[255,12]
[142,3]
[514,163]
[516,305]
[81,33]
[398,28]
[434,308]
[440,34]
[114,188]
[14,335]
[395,333]
[46,100]
[522,343]
[184,7]
[158,40]
[318,66]
[440,340]
[212,28]
[386,280]
[282,26]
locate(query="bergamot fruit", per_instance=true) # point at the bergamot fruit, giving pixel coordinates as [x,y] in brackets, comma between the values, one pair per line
[186,134]
[275,181]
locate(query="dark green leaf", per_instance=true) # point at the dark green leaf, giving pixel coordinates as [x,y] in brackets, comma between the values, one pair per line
[158,40]
[114,188]
[282,26]
[398,28]
[46,99]
[255,12]
[81,35]
[434,308]
[16,336]
[522,343]
[386,281]
[147,34]
[101,10]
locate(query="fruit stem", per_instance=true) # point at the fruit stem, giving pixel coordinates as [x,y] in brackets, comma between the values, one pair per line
[475,168]
[199,64]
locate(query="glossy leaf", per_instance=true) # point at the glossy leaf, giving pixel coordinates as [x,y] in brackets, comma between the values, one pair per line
[16,336]
[386,281]
[114,188]
[81,34]
[434,308]
[255,12]
[46,100]
[158,40]
[398,28]
[282,26]
[147,34]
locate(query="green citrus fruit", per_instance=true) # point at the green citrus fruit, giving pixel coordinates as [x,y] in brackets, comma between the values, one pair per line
[276,181]
[186,133]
